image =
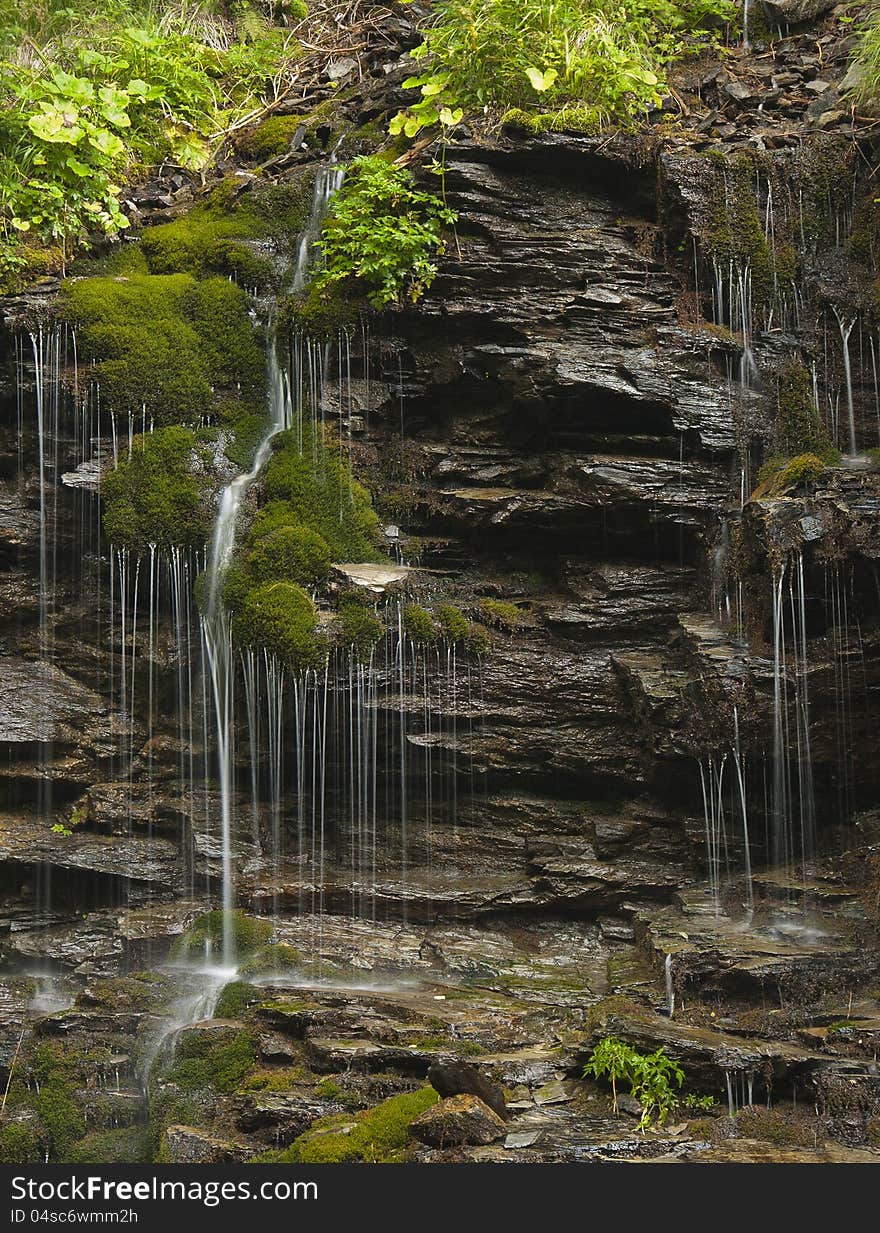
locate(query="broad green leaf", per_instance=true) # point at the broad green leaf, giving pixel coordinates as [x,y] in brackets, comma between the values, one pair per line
[55,127]
[449,118]
[78,168]
[20,224]
[541,81]
[397,123]
[106,143]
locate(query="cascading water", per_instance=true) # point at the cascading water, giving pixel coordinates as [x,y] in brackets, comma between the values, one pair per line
[217,633]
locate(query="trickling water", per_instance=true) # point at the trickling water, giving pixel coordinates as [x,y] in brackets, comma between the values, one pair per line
[217,633]
[670,986]
[846,328]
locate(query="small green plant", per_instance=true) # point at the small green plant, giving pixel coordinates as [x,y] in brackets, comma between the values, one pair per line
[383,232]
[652,1077]
[699,1104]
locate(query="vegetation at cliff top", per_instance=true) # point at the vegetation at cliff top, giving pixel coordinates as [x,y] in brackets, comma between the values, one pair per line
[93,94]
[865,59]
[608,57]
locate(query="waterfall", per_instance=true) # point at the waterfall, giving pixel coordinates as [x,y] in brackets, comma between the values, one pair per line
[846,328]
[217,633]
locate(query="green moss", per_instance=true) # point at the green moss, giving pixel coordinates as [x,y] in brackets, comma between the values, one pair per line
[321,314]
[61,1116]
[575,118]
[379,1135]
[294,552]
[165,343]
[799,430]
[418,624]
[454,625]
[216,1060]
[478,641]
[157,496]
[21,1142]
[778,475]
[329,1089]
[278,957]
[318,491]
[201,244]
[499,614]
[128,1145]
[358,627]
[275,1079]
[776,1126]
[269,138]
[280,617]
[249,934]
[235,998]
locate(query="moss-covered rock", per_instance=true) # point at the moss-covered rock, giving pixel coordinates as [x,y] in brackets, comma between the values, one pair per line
[358,627]
[281,618]
[418,624]
[379,1135]
[293,553]
[211,1056]
[269,138]
[159,495]
[454,625]
[249,934]
[165,345]
[277,957]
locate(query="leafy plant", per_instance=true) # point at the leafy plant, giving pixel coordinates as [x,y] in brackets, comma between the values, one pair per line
[383,231]
[651,1077]
[608,54]
[91,96]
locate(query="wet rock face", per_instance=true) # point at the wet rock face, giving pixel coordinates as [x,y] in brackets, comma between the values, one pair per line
[458,1121]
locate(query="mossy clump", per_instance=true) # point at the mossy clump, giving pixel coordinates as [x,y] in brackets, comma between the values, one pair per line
[218,1060]
[158,495]
[22,1140]
[165,345]
[235,998]
[776,1126]
[122,1146]
[799,429]
[277,957]
[202,244]
[281,618]
[500,614]
[269,138]
[377,1136]
[573,118]
[293,552]
[478,642]
[454,625]
[358,627]
[322,315]
[318,491]
[418,623]
[275,1079]
[249,934]
[779,475]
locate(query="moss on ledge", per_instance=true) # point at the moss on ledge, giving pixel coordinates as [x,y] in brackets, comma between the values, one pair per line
[165,343]
[281,618]
[377,1136]
[159,495]
[249,934]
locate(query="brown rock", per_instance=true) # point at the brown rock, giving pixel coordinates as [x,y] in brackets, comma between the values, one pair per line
[457,1121]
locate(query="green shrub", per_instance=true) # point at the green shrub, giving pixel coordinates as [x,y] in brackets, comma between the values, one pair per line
[418,624]
[379,1135]
[652,1077]
[21,1141]
[608,58]
[156,496]
[88,93]
[126,1145]
[477,640]
[382,233]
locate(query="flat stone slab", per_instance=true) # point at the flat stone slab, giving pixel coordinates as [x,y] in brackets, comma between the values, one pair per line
[40,704]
